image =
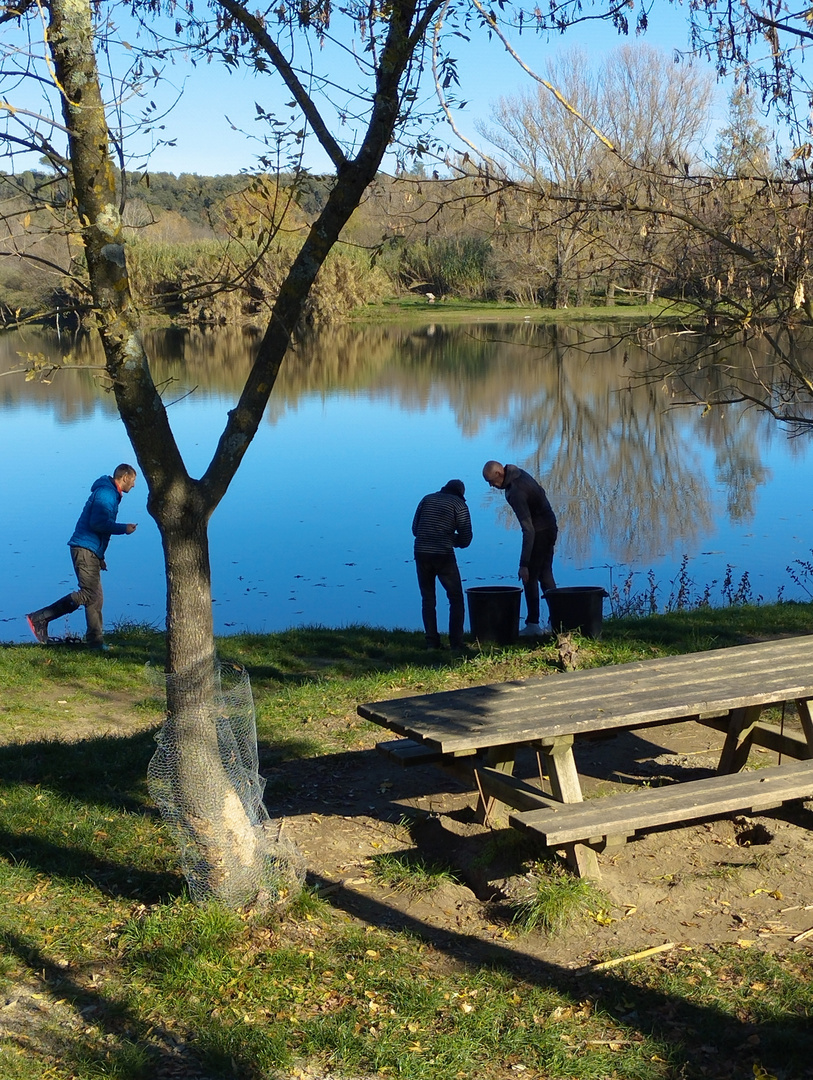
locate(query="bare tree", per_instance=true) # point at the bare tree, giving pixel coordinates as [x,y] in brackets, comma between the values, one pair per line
[652,115]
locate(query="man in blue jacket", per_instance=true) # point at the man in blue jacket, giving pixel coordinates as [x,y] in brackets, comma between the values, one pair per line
[96,524]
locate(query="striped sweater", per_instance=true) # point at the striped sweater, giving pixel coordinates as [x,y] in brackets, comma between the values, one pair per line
[441,524]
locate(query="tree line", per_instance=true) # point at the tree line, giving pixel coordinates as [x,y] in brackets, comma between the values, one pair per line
[636,205]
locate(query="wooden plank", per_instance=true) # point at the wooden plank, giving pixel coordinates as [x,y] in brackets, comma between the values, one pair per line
[789,662]
[654,807]
[513,791]
[771,736]
[408,752]
[623,695]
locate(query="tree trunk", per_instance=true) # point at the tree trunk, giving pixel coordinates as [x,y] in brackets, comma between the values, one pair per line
[651,285]
[208,814]
[222,843]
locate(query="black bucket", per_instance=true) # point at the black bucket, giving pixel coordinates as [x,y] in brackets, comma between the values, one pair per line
[576,608]
[494,612]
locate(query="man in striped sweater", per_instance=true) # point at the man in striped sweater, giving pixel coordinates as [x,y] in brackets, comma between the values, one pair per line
[441,524]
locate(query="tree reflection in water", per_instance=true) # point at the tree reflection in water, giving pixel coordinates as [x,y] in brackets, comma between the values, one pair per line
[634,480]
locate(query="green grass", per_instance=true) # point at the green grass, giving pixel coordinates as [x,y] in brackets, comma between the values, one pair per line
[555,900]
[133,981]
[451,309]
[410,871]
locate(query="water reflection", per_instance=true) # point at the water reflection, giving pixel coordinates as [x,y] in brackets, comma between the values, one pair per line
[634,481]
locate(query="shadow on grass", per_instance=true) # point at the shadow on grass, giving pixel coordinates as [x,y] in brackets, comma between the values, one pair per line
[705,1041]
[114,879]
[108,770]
[121,1042]
[304,655]
[709,628]
[107,773]
[294,657]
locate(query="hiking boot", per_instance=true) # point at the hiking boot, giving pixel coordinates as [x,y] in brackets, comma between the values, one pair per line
[99,646]
[38,627]
[531,629]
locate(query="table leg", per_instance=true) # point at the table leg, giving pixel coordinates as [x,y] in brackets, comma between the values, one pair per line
[502,759]
[803,708]
[739,737]
[560,766]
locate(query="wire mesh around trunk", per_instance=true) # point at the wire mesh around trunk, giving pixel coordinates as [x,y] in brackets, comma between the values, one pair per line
[204,778]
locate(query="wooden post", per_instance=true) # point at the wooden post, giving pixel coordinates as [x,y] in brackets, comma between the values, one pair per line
[803,708]
[739,737]
[560,765]
[500,758]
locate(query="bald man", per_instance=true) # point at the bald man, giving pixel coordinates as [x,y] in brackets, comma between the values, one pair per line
[528,500]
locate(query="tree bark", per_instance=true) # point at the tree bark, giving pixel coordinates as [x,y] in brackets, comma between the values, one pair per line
[211,818]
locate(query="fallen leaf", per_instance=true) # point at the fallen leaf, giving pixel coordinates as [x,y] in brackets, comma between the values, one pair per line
[761,1074]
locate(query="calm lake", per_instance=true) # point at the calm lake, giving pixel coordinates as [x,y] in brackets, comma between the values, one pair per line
[316,528]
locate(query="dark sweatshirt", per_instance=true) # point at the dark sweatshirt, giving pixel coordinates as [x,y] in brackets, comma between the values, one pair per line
[529,502]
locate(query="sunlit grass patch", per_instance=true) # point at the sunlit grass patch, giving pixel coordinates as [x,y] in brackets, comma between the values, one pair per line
[555,899]
[410,871]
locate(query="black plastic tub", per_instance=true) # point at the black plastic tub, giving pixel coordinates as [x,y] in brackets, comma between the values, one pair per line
[494,613]
[579,608]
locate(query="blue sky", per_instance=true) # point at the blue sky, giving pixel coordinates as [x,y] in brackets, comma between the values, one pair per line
[216,100]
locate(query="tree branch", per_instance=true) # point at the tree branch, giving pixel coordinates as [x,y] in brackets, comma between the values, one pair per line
[303,99]
[352,180]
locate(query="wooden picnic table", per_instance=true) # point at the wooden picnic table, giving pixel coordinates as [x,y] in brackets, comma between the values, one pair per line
[723,688]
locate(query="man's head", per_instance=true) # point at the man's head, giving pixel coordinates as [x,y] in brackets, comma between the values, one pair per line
[494,474]
[124,478]
[454,487]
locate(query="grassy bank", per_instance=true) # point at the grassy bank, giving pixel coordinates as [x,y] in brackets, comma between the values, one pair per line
[450,309]
[108,970]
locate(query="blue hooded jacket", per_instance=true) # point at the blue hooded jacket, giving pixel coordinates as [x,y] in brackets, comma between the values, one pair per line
[97,522]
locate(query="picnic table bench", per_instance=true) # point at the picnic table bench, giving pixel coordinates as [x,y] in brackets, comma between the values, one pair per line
[726,689]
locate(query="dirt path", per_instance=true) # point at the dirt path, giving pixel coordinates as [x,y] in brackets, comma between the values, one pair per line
[733,880]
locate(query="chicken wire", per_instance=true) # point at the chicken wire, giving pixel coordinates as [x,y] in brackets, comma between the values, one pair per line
[230,849]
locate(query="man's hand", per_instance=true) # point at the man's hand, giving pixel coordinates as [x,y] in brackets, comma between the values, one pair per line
[130,528]
[523,574]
